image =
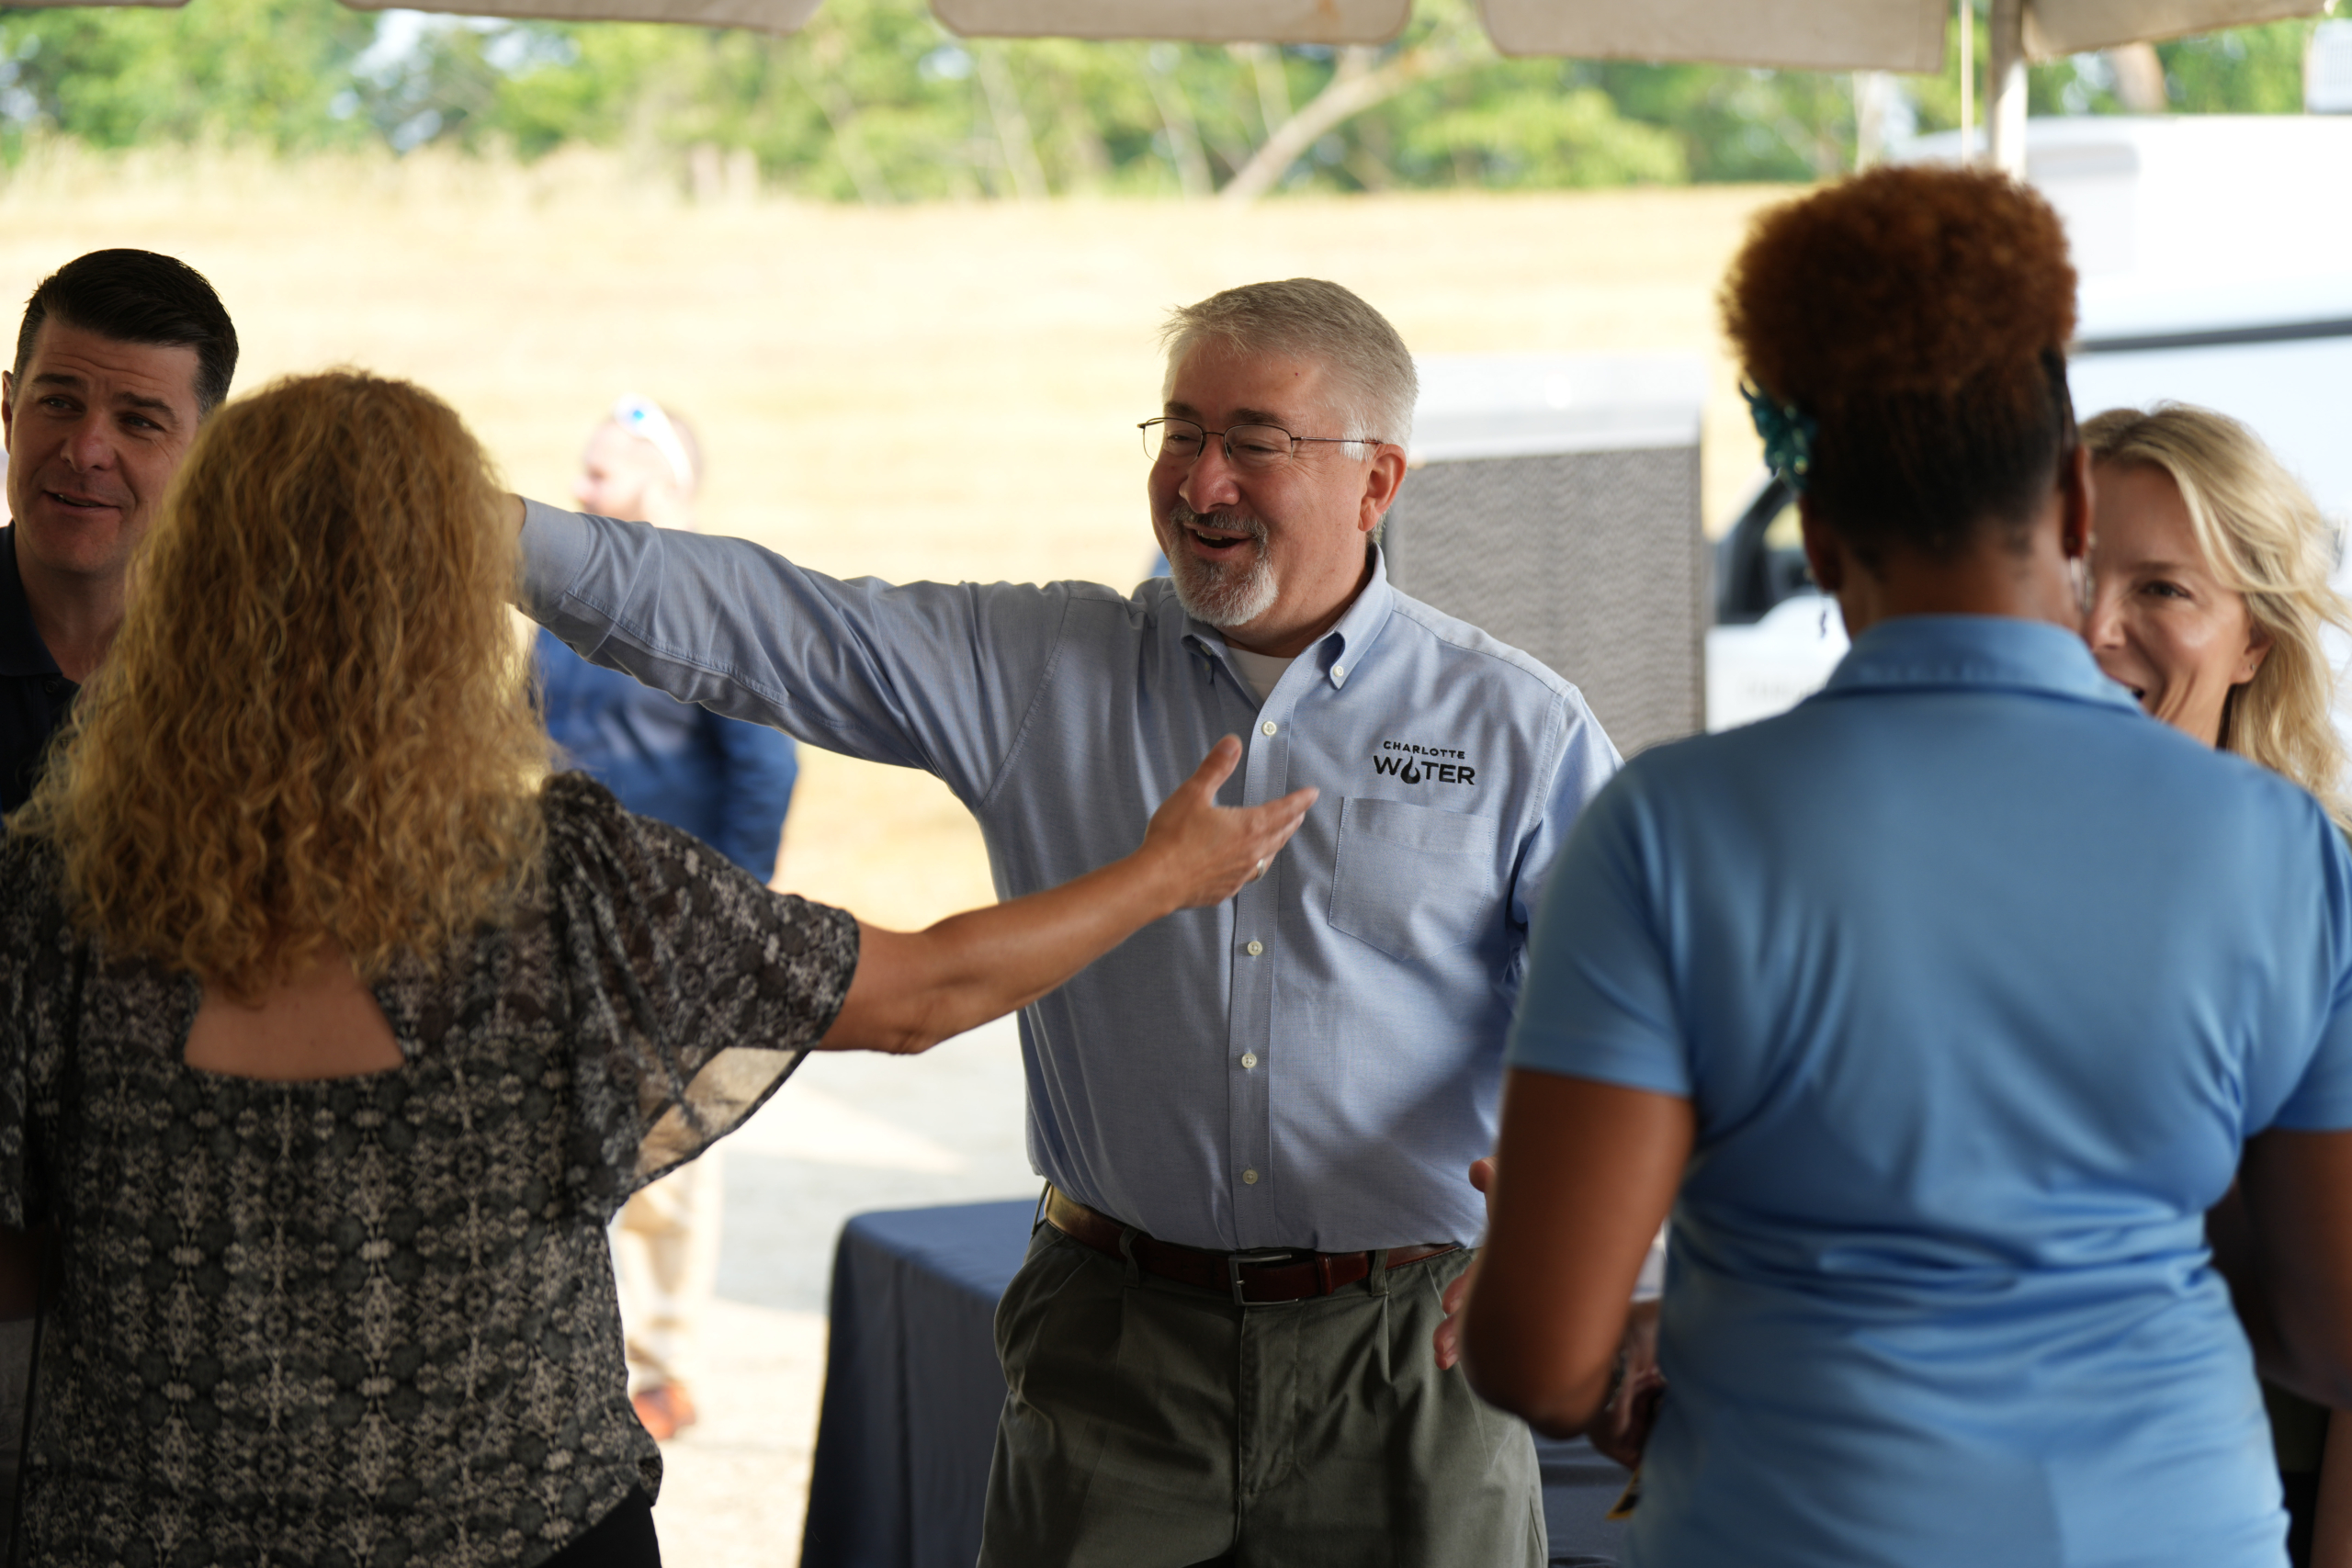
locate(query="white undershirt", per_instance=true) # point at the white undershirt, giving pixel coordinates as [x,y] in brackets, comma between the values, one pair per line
[1261,671]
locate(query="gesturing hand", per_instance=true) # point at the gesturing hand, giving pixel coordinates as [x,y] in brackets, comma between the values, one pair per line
[1210,850]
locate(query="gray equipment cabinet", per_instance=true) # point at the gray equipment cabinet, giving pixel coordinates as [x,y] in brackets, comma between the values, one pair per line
[1553,501]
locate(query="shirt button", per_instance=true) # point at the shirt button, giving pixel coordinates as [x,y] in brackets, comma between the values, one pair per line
[1339,671]
[1249,1059]
[1254,949]
[1269,726]
[1250,1178]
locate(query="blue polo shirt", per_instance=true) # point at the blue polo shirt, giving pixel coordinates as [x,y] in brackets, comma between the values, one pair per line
[34,697]
[1978,981]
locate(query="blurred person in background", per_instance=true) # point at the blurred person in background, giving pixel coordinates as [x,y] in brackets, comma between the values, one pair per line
[1942,1009]
[1253,1120]
[122,354]
[333,1032]
[729,785]
[2209,572]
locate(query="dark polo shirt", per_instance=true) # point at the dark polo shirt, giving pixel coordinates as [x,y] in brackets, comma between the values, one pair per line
[34,698]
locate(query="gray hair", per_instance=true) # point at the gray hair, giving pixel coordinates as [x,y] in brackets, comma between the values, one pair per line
[1371,372]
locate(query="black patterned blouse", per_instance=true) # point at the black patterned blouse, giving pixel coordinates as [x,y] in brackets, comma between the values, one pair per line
[369,1320]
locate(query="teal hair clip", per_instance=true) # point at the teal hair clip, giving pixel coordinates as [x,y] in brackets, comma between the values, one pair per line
[1788,435]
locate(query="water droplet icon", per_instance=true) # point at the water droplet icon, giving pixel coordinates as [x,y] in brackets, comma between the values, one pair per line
[1411,774]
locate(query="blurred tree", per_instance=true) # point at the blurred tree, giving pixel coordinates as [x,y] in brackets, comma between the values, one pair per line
[272,71]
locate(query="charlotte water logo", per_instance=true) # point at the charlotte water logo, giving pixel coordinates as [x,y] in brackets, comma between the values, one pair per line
[1409,764]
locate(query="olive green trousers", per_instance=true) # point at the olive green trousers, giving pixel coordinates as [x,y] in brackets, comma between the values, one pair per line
[1150,1425]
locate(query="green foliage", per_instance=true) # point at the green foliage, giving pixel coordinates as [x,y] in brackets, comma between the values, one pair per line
[256,70]
[874,102]
[1575,136]
[2257,70]
[2245,71]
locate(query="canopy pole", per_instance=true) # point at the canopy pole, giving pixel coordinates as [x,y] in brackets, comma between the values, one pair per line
[2004,87]
[1967,78]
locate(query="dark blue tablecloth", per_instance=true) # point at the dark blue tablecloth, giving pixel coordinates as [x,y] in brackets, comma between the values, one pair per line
[912,1390]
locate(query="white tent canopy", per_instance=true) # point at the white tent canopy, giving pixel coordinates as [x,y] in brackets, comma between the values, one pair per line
[1187,21]
[1837,35]
[761,15]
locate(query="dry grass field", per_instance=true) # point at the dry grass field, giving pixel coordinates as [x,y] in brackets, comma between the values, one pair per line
[933,391]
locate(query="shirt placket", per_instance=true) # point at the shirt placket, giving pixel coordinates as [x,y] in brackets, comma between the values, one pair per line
[1252,1054]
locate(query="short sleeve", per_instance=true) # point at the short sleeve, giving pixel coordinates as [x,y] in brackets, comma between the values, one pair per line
[696,991]
[2321,1100]
[1599,1002]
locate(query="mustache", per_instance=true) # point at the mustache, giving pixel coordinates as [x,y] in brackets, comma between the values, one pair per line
[1184,516]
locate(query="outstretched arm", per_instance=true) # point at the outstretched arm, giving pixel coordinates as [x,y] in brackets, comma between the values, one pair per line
[930,675]
[913,989]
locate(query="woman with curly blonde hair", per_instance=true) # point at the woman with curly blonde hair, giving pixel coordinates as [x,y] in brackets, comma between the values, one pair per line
[1940,1008]
[334,1031]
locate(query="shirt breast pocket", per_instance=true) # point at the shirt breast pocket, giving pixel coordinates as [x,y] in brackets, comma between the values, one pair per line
[1412,880]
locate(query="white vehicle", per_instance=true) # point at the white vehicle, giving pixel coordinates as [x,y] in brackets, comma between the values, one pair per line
[2212,274]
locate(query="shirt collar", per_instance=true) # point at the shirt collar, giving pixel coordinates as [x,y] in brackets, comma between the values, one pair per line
[1338,650]
[21,651]
[1995,651]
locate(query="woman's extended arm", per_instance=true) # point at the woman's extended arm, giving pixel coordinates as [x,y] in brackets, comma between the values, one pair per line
[913,989]
[1592,1170]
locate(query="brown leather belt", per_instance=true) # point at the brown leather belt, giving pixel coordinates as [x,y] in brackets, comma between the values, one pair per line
[1255,1278]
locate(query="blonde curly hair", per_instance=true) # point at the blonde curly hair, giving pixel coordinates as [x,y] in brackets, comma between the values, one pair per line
[315,729]
[2266,539]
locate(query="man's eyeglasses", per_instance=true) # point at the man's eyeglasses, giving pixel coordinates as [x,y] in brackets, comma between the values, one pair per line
[1250,446]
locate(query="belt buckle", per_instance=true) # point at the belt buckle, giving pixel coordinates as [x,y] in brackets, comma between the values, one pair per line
[1234,1262]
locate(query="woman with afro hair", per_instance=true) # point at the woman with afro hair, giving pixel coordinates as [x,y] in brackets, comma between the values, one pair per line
[1941,1009]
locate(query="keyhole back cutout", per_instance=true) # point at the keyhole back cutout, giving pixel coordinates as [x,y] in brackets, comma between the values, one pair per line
[324,1024]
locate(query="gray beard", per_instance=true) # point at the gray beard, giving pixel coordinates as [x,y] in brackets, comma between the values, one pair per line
[1221,593]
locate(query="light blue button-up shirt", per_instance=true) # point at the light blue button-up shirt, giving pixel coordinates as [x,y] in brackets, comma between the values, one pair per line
[1978,979]
[1313,1063]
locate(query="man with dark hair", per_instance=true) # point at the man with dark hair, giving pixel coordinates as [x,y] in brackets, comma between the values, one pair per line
[122,354]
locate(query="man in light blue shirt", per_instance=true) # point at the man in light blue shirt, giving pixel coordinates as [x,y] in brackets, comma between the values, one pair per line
[1254,1119]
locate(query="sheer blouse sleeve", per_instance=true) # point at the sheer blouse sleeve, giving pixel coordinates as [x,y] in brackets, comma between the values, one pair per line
[694,990]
